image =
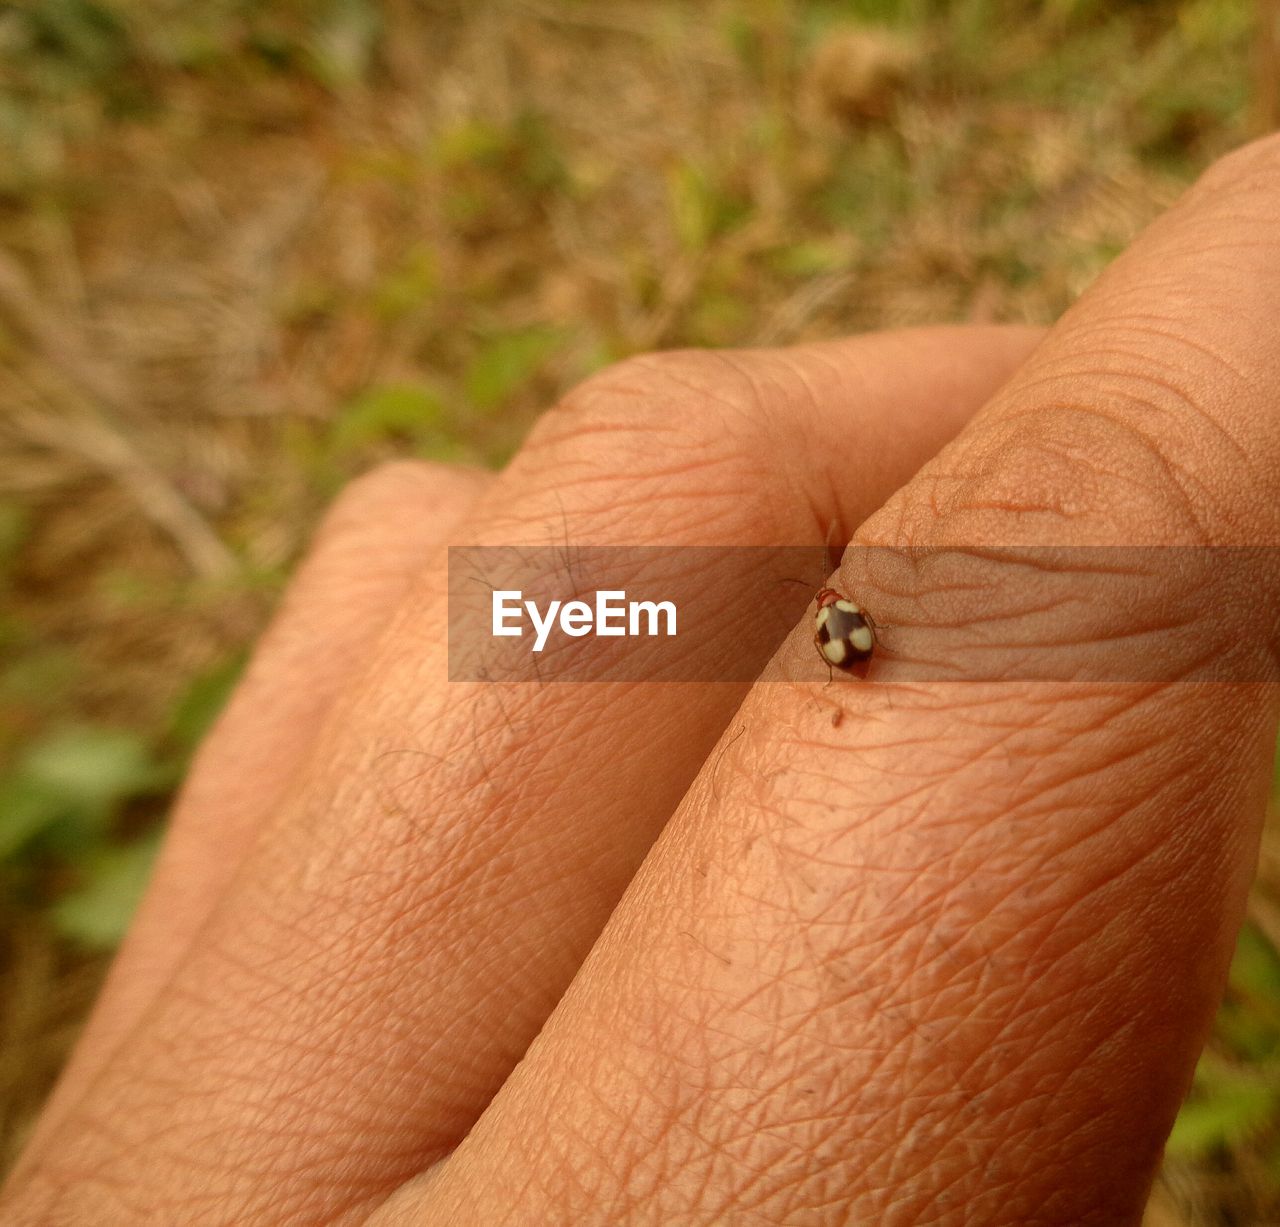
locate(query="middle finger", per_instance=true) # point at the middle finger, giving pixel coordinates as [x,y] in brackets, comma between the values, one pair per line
[412,916]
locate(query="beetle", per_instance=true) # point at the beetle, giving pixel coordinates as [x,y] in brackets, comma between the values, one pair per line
[844,633]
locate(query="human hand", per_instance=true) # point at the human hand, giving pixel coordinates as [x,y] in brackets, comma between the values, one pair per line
[950,960]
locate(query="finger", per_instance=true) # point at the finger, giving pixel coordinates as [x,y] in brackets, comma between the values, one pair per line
[453,850]
[953,959]
[366,552]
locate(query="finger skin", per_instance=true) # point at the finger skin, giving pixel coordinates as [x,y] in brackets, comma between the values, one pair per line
[366,553]
[951,960]
[451,851]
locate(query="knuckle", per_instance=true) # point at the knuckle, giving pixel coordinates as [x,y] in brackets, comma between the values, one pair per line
[1078,464]
[394,483]
[391,480]
[1127,462]
[382,495]
[689,396]
[1250,167]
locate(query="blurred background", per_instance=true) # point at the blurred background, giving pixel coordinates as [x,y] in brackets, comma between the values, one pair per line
[248,248]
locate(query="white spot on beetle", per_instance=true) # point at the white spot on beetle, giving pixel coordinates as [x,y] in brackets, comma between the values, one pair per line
[834,651]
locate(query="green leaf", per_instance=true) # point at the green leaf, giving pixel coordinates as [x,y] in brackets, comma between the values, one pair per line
[26,809]
[86,39]
[204,698]
[812,258]
[692,206]
[471,142]
[703,208]
[382,413]
[66,787]
[1248,1022]
[93,767]
[505,362]
[1224,1114]
[1255,966]
[98,913]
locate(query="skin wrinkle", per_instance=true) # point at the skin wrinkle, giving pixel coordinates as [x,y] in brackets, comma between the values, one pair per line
[609,414]
[896,1172]
[1090,367]
[683,361]
[1180,472]
[780,440]
[1052,463]
[1056,924]
[1070,409]
[642,486]
[611,399]
[1181,475]
[1240,382]
[806,1185]
[1085,621]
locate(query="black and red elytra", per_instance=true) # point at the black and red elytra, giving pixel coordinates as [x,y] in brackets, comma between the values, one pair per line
[845,634]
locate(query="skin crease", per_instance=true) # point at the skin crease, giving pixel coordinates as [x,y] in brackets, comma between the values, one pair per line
[853,981]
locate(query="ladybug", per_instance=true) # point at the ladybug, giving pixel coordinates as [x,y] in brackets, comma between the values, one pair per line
[845,633]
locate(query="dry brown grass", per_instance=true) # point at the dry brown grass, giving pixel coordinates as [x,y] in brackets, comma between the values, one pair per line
[304,249]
